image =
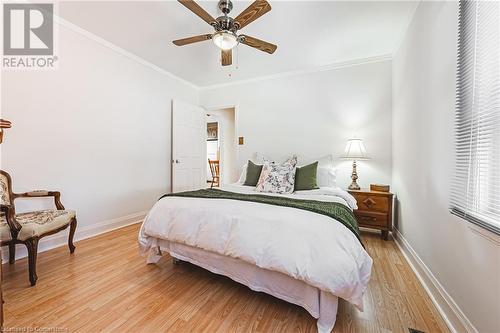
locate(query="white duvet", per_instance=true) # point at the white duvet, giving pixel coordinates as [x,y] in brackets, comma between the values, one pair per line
[306,246]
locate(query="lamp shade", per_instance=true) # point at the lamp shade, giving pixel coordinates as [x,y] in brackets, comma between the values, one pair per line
[355,150]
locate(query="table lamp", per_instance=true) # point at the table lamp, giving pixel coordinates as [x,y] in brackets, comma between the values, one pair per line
[355,151]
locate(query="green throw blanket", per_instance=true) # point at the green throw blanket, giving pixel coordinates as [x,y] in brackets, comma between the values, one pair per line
[335,210]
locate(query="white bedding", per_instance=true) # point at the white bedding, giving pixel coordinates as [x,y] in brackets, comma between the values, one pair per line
[303,245]
[320,304]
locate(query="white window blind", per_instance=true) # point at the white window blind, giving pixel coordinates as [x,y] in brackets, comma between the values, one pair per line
[475,193]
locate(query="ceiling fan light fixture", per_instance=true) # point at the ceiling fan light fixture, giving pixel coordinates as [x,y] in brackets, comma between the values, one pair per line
[225,40]
[226,28]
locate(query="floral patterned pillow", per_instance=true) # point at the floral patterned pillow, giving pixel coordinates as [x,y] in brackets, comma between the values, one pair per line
[278,178]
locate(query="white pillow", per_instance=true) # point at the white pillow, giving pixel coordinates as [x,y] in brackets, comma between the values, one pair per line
[326,176]
[243,173]
[260,158]
[278,178]
[324,161]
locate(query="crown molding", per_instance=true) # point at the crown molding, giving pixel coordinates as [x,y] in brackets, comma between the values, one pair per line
[330,67]
[79,30]
[333,66]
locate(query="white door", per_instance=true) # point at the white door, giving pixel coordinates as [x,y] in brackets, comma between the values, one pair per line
[188,147]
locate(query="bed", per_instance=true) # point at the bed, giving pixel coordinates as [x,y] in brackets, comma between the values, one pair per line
[298,255]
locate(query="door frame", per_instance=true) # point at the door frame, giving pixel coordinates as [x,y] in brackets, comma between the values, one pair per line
[236,130]
[215,120]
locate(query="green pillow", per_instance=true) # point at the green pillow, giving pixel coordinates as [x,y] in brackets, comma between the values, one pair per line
[253,174]
[305,177]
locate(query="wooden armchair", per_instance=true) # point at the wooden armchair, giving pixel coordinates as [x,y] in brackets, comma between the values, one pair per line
[28,228]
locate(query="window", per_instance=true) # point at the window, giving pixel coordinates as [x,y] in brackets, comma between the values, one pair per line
[475,194]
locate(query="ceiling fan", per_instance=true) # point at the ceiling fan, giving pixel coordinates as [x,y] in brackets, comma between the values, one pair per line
[225,36]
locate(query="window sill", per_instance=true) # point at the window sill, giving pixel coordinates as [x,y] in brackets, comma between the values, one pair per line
[481,226]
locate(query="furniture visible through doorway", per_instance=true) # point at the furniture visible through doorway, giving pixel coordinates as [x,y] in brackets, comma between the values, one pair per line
[215,170]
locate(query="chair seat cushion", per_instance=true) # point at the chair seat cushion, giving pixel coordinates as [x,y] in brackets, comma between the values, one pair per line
[36,223]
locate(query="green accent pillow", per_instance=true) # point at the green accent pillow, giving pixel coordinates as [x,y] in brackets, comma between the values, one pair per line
[253,174]
[305,177]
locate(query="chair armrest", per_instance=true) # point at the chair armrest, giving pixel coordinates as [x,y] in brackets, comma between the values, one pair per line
[11,220]
[37,194]
[42,194]
[5,208]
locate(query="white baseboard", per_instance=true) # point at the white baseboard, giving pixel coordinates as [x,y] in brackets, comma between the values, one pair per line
[454,317]
[61,238]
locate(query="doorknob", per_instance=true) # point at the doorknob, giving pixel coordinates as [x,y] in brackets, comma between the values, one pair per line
[177,161]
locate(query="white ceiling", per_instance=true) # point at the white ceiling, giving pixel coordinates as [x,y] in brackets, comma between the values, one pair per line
[309,34]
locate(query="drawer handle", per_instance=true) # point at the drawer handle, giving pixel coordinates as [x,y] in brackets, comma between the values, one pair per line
[368,218]
[369,202]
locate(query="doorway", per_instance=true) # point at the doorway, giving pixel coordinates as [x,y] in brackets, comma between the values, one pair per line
[221,145]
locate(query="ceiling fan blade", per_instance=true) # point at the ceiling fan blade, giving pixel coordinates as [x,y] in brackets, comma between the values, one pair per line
[226,57]
[191,40]
[258,44]
[200,12]
[253,12]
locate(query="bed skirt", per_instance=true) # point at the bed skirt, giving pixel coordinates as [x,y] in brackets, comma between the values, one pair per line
[320,304]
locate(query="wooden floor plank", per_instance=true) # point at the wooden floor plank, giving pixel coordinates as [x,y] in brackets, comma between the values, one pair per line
[107,287]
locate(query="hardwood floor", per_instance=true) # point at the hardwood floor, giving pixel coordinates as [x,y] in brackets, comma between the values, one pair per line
[107,287]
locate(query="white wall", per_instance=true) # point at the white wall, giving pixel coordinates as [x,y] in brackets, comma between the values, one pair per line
[314,114]
[97,129]
[465,260]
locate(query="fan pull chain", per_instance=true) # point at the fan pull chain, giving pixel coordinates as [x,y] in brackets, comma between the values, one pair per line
[234,66]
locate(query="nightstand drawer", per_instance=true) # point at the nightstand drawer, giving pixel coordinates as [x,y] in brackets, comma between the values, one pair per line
[368,202]
[371,218]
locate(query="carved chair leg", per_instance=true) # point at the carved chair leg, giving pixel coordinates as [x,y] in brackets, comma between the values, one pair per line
[72,229]
[32,245]
[12,253]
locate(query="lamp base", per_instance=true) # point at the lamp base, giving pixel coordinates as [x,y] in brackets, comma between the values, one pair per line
[354,185]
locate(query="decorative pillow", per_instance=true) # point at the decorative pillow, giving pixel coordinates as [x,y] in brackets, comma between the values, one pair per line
[278,178]
[305,177]
[253,174]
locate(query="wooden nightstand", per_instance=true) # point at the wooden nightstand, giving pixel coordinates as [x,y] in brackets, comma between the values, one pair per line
[374,210]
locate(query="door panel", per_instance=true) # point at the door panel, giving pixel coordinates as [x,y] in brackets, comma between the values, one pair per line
[188,147]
